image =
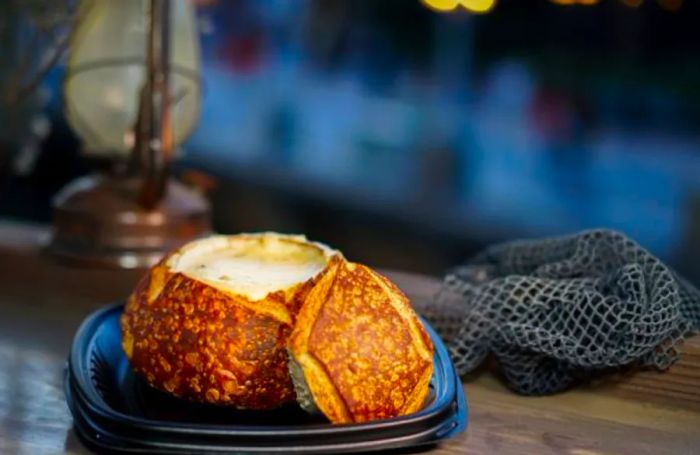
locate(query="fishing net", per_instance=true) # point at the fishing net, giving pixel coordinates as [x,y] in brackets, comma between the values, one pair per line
[555,310]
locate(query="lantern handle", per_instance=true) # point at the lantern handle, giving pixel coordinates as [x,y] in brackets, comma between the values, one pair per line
[153,145]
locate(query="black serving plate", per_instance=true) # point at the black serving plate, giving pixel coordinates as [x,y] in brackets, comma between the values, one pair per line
[115,410]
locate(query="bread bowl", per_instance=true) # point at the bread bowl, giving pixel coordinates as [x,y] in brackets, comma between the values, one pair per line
[358,352]
[210,321]
[256,320]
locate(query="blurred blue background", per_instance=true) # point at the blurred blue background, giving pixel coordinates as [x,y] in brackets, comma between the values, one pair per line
[412,137]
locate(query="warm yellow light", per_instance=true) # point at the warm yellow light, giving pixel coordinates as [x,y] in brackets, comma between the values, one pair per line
[671,5]
[473,6]
[478,6]
[587,2]
[441,5]
[632,3]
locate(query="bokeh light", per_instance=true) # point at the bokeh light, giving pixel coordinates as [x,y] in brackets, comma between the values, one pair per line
[473,6]
[478,6]
[441,5]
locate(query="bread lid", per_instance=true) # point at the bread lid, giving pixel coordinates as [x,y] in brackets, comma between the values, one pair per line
[360,348]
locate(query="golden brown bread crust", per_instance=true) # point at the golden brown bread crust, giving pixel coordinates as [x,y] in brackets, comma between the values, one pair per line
[363,351]
[202,343]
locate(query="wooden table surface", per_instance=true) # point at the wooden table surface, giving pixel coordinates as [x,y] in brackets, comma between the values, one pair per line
[43,302]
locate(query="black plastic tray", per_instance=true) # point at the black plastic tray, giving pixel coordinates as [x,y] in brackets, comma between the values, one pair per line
[114,410]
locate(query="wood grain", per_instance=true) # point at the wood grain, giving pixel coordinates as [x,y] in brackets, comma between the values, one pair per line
[43,302]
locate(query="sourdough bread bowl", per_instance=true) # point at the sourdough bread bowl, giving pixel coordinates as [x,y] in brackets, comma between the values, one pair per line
[210,322]
[256,320]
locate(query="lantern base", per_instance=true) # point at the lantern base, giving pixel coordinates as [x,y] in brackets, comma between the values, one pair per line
[97,222]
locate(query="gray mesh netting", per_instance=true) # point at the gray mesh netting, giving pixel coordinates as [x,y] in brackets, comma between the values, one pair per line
[558,309]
